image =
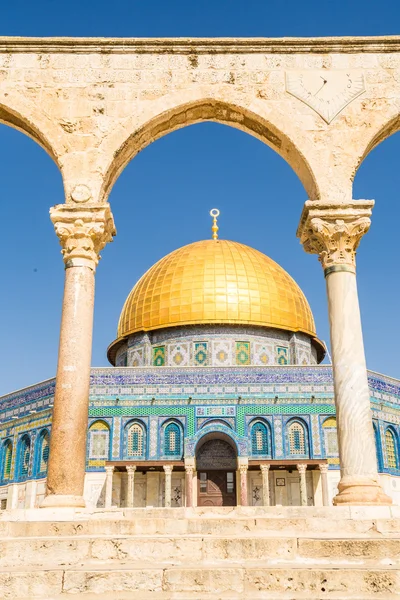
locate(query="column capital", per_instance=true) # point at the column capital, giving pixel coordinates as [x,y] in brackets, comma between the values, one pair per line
[323,467]
[83,232]
[130,469]
[243,469]
[301,467]
[264,468]
[189,469]
[168,469]
[334,230]
[109,470]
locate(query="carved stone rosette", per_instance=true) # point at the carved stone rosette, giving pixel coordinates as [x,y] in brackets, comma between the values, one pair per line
[333,231]
[83,232]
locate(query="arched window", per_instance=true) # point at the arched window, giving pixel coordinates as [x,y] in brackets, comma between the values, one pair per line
[391,454]
[378,447]
[99,441]
[44,448]
[259,439]
[7,449]
[172,440]
[24,457]
[296,438]
[330,436]
[135,445]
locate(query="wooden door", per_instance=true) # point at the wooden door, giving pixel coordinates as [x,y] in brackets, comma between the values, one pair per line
[216,488]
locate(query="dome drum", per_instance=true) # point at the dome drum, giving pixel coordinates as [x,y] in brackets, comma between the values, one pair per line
[216,346]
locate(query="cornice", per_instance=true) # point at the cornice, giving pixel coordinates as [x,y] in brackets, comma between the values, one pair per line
[322,45]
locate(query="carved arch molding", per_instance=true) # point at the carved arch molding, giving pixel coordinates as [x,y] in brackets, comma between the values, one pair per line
[321,103]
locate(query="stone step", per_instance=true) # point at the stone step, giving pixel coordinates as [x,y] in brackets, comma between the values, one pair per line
[202,550]
[220,512]
[252,582]
[223,596]
[262,525]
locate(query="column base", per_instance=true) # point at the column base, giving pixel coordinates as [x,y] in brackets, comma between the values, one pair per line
[63,501]
[361,491]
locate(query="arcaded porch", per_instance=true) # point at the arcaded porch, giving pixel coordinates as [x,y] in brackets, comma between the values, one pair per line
[134,484]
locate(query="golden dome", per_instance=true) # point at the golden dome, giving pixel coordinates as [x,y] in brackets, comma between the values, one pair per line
[215,282]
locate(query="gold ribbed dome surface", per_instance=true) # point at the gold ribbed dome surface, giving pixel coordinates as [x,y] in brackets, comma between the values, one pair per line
[216,282]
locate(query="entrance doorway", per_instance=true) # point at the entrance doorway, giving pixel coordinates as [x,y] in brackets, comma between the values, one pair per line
[216,488]
[216,473]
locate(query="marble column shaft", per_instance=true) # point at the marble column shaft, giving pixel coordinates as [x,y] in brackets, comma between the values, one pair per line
[109,486]
[265,483]
[243,485]
[83,232]
[131,486]
[189,486]
[168,486]
[302,467]
[323,468]
[333,231]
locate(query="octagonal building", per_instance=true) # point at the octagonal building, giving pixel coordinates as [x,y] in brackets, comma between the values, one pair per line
[216,396]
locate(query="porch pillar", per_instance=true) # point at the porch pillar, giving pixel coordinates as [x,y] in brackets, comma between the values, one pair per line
[243,483]
[189,486]
[168,490]
[131,485]
[333,230]
[303,483]
[323,468]
[83,233]
[265,483]
[109,486]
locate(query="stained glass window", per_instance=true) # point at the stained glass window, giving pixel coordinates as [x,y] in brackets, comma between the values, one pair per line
[44,452]
[24,457]
[135,440]
[297,444]
[172,441]
[99,440]
[259,439]
[390,449]
[7,460]
[330,435]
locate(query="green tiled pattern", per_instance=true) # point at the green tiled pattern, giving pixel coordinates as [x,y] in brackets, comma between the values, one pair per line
[300,409]
[144,411]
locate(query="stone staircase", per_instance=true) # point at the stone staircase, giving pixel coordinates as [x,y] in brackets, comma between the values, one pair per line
[249,553]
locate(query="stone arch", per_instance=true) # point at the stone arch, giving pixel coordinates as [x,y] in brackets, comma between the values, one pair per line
[23,117]
[382,131]
[266,124]
[389,128]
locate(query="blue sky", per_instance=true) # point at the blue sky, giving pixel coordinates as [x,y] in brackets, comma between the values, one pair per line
[162,199]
